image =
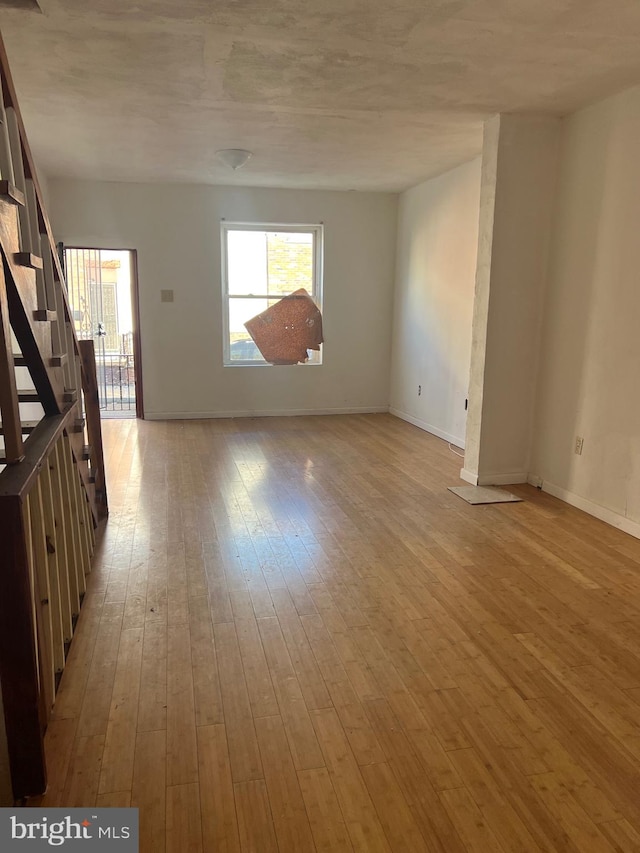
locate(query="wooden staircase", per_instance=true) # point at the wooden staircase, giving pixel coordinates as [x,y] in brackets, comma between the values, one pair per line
[52,487]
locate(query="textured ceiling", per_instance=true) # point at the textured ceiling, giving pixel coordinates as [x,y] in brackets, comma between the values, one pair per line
[344,94]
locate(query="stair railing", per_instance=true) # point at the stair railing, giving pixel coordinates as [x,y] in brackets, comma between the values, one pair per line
[52,485]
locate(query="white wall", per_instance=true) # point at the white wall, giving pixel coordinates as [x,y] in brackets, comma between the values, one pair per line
[436,263]
[590,365]
[510,287]
[176,230]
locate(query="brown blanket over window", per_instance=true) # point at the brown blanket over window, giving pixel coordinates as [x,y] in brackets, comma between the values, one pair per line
[285,331]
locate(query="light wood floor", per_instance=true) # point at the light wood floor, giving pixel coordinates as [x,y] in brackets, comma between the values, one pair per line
[295,639]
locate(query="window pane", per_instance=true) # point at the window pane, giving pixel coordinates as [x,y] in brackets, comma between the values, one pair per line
[289,262]
[247,262]
[241,345]
[277,262]
[263,265]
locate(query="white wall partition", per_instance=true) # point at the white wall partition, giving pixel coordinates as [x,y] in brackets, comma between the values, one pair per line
[176,230]
[590,354]
[435,273]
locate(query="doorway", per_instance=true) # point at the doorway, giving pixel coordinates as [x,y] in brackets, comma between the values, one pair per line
[103,295]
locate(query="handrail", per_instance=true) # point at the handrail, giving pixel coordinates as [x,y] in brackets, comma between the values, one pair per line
[47,541]
[17,480]
[24,710]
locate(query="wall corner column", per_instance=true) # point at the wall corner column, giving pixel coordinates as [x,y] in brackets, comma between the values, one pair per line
[519,166]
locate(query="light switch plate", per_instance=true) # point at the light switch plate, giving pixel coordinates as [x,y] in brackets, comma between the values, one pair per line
[166,296]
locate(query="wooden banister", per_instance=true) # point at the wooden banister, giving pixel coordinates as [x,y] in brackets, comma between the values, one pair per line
[19,479]
[47,540]
[49,503]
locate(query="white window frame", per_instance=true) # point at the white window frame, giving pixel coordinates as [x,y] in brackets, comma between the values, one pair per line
[317,277]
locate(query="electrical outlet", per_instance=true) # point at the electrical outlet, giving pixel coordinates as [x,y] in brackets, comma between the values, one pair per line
[579,445]
[419,390]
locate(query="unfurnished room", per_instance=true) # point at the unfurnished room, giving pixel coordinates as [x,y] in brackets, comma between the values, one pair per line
[319,439]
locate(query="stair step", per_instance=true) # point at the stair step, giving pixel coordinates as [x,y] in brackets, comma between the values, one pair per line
[78,425]
[28,395]
[9,192]
[70,395]
[25,427]
[27,259]
[87,450]
[44,316]
[54,361]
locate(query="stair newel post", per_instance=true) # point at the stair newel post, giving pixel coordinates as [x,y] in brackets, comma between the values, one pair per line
[94,429]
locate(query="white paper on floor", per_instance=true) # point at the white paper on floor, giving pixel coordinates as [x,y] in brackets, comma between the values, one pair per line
[483,495]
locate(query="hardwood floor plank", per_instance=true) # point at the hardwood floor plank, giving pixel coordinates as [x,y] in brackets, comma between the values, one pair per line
[363,824]
[494,806]
[574,820]
[325,816]
[96,702]
[59,742]
[255,823]
[295,715]
[219,824]
[184,830]
[243,746]
[206,682]
[294,636]
[152,707]
[469,822]
[149,789]
[83,775]
[114,800]
[117,760]
[399,826]
[256,672]
[182,753]
[73,684]
[287,805]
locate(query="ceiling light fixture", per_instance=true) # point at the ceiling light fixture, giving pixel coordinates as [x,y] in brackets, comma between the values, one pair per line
[234,158]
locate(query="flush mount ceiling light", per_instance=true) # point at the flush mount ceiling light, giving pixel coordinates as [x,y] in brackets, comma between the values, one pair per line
[234,158]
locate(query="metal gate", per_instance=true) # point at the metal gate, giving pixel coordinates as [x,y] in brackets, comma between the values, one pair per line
[99,289]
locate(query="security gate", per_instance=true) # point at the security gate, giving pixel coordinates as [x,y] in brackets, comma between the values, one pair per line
[99,289]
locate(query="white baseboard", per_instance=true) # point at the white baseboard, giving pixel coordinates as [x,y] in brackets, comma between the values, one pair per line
[607,515]
[492,479]
[439,433]
[502,479]
[281,413]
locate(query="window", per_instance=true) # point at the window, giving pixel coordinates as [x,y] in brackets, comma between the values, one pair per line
[261,264]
